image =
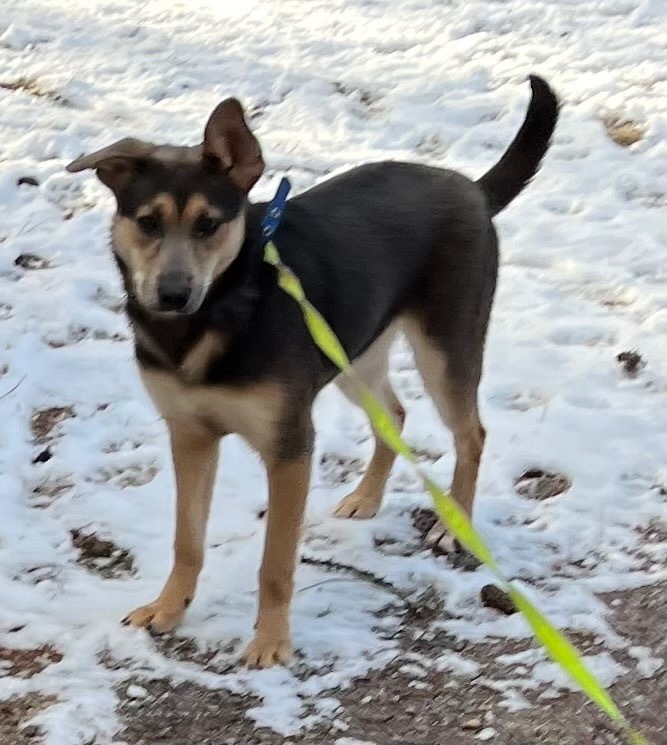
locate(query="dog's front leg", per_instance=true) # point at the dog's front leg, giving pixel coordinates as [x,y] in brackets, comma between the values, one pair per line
[288,489]
[195,455]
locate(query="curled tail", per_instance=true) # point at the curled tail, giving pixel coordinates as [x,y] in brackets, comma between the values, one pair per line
[522,159]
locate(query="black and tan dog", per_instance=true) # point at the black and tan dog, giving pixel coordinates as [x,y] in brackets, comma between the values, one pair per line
[383,248]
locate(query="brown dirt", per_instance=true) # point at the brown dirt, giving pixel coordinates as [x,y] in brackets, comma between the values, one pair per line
[44,422]
[339,469]
[15,714]
[538,484]
[102,556]
[31,261]
[412,702]
[24,663]
[631,362]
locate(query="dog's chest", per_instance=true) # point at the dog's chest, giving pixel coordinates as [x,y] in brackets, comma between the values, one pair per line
[254,410]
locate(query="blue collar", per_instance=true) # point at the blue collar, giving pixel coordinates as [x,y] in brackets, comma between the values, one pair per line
[275,210]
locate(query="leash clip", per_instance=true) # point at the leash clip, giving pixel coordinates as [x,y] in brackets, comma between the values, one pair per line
[275,209]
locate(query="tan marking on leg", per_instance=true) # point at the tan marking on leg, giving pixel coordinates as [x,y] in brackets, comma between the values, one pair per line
[457,407]
[288,489]
[195,455]
[366,499]
[372,369]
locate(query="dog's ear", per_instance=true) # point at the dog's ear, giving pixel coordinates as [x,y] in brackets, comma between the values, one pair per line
[116,163]
[228,139]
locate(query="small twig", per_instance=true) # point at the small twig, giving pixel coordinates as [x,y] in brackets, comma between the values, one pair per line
[11,390]
[361,574]
[325,582]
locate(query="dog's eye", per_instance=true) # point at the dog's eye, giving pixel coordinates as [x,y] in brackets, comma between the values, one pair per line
[205,226]
[149,224]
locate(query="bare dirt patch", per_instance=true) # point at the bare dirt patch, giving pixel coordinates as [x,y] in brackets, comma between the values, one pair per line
[419,700]
[102,556]
[16,712]
[338,469]
[538,484]
[24,663]
[45,421]
[631,362]
[31,262]
[188,714]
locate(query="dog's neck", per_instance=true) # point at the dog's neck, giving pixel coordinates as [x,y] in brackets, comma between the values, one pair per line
[226,310]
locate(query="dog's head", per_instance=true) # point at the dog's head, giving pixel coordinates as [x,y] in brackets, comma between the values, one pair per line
[180,220]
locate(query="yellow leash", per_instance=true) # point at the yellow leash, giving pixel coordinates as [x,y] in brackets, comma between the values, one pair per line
[558,646]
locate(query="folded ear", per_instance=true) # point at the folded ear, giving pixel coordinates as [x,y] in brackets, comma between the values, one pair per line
[228,139]
[114,163]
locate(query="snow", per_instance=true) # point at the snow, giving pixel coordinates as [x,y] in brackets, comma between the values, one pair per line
[330,85]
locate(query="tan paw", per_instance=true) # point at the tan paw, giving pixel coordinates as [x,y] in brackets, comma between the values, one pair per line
[265,651]
[357,505]
[157,617]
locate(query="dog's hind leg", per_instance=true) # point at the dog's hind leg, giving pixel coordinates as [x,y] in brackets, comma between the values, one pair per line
[372,370]
[453,389]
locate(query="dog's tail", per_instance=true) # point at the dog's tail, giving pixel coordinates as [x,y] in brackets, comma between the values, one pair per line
[522,159]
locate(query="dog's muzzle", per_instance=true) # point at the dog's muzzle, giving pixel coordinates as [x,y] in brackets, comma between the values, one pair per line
[174,291]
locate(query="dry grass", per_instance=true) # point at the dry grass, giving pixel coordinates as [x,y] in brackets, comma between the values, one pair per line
[33,87]
[624,132]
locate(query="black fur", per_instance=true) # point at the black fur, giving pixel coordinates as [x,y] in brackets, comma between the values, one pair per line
[520,163]
[378,241]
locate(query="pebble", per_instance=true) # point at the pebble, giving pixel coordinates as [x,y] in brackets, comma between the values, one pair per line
[135,691]
[486,734]
[494,597]
[472,724]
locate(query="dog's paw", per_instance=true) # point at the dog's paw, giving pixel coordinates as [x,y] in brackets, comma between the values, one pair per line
[358,504]
[158,617]
[265,651]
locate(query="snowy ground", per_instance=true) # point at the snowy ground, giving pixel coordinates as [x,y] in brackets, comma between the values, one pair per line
[330,85]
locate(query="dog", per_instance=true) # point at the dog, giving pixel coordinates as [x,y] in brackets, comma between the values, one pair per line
[384,248]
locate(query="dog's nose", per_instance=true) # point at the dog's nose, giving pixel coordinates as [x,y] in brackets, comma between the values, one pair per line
[173,292]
